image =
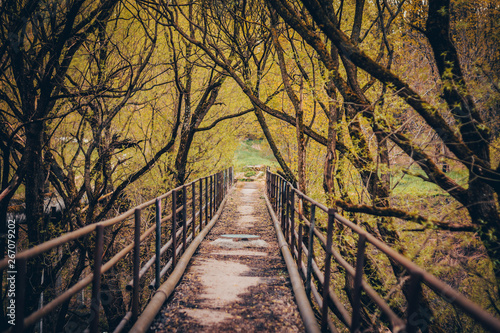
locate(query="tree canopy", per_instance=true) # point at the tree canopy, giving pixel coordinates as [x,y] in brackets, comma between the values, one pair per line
[385,109]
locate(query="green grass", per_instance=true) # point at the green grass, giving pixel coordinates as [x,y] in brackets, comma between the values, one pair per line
[417,186]
[248,154]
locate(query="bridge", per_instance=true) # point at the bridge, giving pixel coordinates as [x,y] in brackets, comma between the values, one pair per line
[217,238]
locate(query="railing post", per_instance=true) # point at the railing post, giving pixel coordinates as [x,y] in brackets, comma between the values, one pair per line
[283,204]
[223,184]
[216,199]
[310,249]
[268,176]
[267,181]
[292,217]
[287,211]
[280,193]
[271,189]
[20,294]
[358,278]
[275,190]
[184,218]
[217,191]
[95,303]
[415,288]
[206,200]
[174,227]
[326,279]
[158,243]
[137,263]
[193,208]
[201,204]
[299,247]
[211,197]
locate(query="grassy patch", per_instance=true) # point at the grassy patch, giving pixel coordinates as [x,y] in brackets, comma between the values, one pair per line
[411,185]
[253,152]
[250,173]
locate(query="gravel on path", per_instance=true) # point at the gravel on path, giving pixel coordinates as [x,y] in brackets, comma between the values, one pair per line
[235,285]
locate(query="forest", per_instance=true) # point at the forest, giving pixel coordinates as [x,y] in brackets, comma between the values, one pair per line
[387,110]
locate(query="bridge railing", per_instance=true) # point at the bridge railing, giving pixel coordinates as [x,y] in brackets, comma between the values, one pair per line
[192,206]
[301,231]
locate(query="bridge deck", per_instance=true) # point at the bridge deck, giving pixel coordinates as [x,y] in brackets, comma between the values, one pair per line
[234,284]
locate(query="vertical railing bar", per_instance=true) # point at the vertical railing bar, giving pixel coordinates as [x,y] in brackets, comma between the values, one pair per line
[216,180]
[310,249]
[226,177]
[276,193]
[201,204]
[211,196]
[278,196]
[273,191]
[184,218]
[269,188]
[280,193]
[174,227]
[299,247]
[287,216]
[415,288]
[356,303]
[292,218]
[193,208]
[206,200]
[326,277]
[20,275]
[217,192]
[137,263]
[285,209]
[96,280]
[283,203]
[267,182]
[223,185]
[275,188]
[158,243]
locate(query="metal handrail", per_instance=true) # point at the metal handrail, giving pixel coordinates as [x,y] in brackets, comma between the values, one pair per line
[204,203]
[282,194]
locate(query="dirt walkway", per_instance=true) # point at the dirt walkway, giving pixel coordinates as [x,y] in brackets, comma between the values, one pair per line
[235,285]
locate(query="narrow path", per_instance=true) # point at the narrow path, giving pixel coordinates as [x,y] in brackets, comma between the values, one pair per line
[235,285]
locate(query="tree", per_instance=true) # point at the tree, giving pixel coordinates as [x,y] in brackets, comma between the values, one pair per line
[39,41]
[468,139]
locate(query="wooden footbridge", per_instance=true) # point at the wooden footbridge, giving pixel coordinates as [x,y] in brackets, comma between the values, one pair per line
[166,232]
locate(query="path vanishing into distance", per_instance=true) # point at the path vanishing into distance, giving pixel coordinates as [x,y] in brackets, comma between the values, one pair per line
[235,284]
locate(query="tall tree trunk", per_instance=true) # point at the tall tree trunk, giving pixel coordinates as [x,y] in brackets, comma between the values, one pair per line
[34,186]
[481,201]
[301,142]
